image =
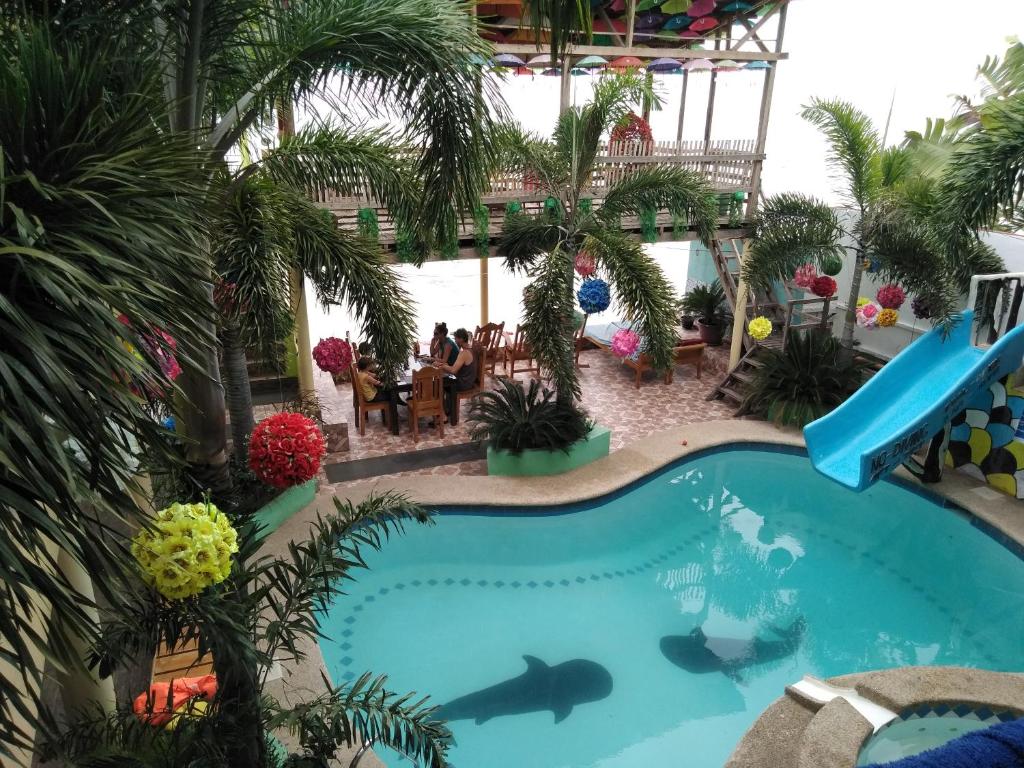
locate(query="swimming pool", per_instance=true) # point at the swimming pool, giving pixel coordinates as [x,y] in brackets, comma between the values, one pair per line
[651,627]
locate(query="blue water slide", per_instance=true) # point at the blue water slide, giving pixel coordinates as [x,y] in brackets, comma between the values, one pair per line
[907,402]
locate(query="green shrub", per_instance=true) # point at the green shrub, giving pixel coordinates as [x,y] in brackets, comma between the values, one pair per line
[706,301]
[513,418]
[798,384]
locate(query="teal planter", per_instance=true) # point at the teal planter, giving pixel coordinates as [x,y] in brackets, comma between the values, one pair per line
[284,506]
[534,463]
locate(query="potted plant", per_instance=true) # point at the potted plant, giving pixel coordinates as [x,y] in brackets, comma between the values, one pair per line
[707,302]
[688,321]
[529,432]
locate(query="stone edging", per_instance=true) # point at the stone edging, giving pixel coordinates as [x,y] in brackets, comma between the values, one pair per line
[796,733]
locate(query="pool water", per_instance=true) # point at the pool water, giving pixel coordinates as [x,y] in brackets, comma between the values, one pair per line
[651,627]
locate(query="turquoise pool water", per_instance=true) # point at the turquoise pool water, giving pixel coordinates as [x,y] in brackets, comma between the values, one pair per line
[653,626]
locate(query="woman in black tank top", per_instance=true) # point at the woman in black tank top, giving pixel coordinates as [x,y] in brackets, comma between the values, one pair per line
[465,366]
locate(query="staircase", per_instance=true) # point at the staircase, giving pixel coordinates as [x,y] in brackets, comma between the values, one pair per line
[790,315]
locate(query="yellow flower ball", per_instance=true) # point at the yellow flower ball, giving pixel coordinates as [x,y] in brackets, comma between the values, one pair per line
[187,549]
[888,318]
[863,300]
[760,328]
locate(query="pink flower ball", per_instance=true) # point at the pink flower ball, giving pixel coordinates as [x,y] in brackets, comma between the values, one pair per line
[585,265]
[625,343]
[805,276]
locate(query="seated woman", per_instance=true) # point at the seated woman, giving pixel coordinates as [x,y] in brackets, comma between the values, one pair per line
[443,349]
[464,367]
[373,391]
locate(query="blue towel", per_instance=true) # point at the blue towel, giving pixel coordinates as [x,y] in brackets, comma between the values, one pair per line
[1000,746]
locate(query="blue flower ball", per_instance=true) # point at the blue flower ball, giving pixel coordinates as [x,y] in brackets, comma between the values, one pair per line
[594,296]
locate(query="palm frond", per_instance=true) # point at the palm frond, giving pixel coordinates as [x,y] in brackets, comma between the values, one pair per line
[677,190]
[641,291]
[560,21]
[526,238]
[516,150]
[346,716]
[548,307]
[790,230]
[853,144]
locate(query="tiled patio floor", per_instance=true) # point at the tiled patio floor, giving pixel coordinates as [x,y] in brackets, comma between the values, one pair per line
[609,395]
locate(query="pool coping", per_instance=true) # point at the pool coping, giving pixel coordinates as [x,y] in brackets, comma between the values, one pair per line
[993,512]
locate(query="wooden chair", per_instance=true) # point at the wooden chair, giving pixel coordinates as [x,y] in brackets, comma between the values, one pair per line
[689,354]
[488,338]
[476,390]
[427,399]
[363,408]
[517,350]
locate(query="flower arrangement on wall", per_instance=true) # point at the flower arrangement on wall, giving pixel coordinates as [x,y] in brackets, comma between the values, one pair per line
[332,355]
[285,449]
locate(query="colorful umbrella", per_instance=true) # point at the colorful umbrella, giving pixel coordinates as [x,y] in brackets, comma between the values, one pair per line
[523,71]
[698,65]
[625,62]
[650,20]
[676,6]
[737,7]
[727,65]
[591,62]
[679,21]
[704,23]
[507,60]
[701,8]
[551,72]
[757,65]
[544,60]
[664,65]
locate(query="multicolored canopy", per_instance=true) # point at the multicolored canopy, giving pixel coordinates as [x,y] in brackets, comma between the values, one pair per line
[664,65]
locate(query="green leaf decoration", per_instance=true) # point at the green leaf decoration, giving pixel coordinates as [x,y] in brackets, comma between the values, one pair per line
[649,224]
[513,207]
[735,210]
[680,224]
[481,229]
[586,205]
[553,208]
[367,224]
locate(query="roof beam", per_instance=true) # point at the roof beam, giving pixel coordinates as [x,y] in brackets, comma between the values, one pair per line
[752,34]
[752,30]
[614,51]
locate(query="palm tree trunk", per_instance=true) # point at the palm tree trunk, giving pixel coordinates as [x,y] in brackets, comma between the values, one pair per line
[202,413]
[850,321]
[238,701]
[237,391]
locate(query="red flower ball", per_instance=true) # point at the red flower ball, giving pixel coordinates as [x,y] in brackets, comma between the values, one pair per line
[332,354]
[285,449]
[823,286]
[891,296]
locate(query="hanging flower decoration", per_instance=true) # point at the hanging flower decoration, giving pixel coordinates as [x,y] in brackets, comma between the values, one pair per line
[805,276]
[888,317]
[632,127]
[920,308]
[823,286]
[760,328]
[871,265]
[832,265]
[862,301]
[625,343]
[594,296]
[161,347]
[332,355]
[187,549]
[285,449]
[585,265]
[891,296]
[867,315]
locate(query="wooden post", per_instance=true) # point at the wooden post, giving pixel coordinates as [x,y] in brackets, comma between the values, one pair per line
[630,21]
[762,120]
[566,83]
[739,318]
[484,287]
[682,109]
[711,112]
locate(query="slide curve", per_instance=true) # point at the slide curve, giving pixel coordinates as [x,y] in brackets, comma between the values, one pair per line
[907,402]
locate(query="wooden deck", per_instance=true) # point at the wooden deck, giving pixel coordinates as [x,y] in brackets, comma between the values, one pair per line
[184,661]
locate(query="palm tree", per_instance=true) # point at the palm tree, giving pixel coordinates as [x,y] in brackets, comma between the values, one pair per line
[266,225]
[546,245]
[100,218]
[227,65]
[895,219]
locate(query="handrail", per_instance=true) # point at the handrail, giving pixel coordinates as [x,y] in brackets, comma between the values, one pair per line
[1013,311]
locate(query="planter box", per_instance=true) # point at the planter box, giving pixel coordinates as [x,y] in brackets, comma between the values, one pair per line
[533,463]
[284,506]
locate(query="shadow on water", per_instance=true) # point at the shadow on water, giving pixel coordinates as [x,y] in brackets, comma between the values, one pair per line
[539,688]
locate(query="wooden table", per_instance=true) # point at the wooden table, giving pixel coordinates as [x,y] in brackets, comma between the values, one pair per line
[451,400]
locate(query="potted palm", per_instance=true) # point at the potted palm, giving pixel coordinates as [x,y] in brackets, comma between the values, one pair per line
[707,302]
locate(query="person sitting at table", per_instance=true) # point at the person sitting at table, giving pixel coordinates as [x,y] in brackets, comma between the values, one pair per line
[373,391]
[442,348]
[464,367]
